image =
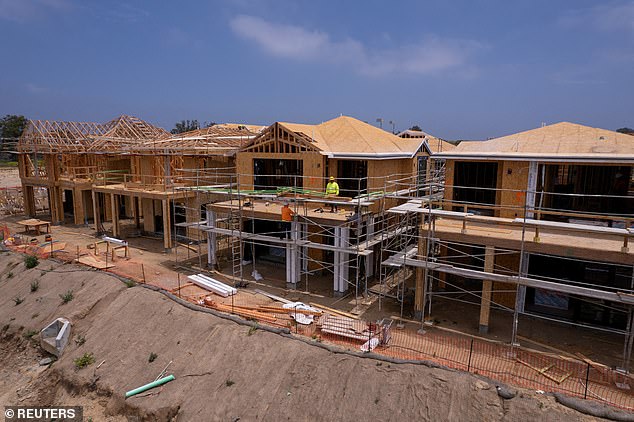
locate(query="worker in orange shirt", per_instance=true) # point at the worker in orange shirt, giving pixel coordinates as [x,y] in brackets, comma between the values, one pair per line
[287,218]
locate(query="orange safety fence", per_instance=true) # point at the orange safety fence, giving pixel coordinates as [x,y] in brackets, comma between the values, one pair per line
[511,365]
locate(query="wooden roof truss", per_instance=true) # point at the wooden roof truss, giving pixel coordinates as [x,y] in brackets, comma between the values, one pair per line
[117,135]
[212,140]
[277,139]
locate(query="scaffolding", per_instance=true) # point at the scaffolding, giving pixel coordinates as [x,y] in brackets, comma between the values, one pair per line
[457,247]
[409,240]
[347,245]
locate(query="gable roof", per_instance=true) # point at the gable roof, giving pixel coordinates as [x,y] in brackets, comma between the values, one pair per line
[347,137]
[559,142]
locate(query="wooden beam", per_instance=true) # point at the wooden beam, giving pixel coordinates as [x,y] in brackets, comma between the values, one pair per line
[167,238]
[419,295]
[136,209]
[147,206]
[95,210]
[56,199]
[78,206]
[115,215]
[487,285]
[29,200]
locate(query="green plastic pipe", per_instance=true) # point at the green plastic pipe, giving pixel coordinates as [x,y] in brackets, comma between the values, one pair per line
[149,386]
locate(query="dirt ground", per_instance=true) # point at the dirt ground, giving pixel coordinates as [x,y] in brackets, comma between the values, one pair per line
[223,370]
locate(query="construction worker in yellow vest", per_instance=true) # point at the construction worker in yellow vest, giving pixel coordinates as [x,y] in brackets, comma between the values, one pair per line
[332,189]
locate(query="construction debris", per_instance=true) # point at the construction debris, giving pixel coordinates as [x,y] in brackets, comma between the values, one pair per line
[345,327]
[296,310]
[243,311]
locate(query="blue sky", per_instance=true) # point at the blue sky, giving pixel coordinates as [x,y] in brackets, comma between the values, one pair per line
[467,69]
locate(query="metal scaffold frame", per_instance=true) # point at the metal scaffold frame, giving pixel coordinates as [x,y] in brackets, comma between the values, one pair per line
[351,241]
[403,233]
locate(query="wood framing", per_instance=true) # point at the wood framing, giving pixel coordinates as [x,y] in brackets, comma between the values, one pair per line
[125,168]
[485,304]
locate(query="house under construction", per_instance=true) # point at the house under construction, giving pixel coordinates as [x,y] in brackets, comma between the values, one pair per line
[537,224]
[125,169]
[335,239]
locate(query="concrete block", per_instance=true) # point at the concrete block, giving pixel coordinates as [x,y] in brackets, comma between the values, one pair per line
[54,337]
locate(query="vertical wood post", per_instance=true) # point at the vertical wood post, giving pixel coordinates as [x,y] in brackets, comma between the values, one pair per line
[419,303]
[115,215]
[485,305]
[96,211]
[167,238]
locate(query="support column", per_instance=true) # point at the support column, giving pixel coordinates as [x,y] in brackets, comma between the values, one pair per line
[87,201]
[29,200]
[148,215]
[50,202]
[56,204]
[520,296]
[211,240]
[292,258]
[114,200]
[135,212]
[128,201]
[485,305]
[78,206]
[96,211]
[629,338]
[369,260]
[107,207]
[336,262]
[421,273]
[531,189]
[303,233]
[167,238]
[343,265]
[59,193]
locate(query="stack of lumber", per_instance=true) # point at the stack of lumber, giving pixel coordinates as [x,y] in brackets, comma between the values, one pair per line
[266,313]
[243,311]
[345,327]
[213,285]
[278,310]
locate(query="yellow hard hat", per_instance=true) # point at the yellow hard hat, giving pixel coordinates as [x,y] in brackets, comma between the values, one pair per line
[332,177]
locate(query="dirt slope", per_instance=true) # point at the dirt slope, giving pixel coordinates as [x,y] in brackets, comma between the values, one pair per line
[223,372]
